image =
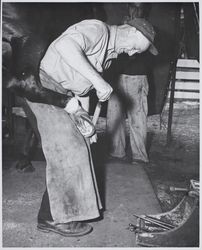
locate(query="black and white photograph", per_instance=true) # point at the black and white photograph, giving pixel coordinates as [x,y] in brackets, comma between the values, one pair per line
[100,124]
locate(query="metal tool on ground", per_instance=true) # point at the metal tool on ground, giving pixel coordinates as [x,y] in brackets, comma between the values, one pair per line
[155,221]
[135,229]
[173,189]
[193,189]
[178,227]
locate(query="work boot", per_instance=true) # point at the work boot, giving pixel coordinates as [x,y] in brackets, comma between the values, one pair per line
[118,159]
[139,161]
[70,229]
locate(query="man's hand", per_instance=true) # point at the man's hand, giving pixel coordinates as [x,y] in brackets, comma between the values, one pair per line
[93,139]
[72,106]
[103,91]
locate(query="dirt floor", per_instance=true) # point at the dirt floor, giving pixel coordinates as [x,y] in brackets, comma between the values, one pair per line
[177,163]
[170,165]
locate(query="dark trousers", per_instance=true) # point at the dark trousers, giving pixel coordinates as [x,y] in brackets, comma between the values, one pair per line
[44,211]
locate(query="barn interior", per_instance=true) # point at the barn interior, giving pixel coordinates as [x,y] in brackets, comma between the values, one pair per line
[126,189]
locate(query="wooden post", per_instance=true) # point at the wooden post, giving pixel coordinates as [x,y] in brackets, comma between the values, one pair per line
[171,103]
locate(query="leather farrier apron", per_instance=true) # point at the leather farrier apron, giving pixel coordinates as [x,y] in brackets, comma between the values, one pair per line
[70,176]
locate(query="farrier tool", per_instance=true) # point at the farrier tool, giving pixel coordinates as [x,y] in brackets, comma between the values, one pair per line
[97,113]
[178,227]
[95,119]
[155,221]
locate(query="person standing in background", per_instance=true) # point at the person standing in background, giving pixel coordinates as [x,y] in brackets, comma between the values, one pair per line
[130,97]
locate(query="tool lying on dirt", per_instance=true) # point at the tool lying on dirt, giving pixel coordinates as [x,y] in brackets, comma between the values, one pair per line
[176,228]
[193,190]
[173,189]
[155,221]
